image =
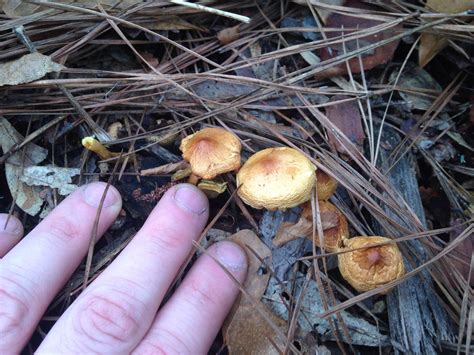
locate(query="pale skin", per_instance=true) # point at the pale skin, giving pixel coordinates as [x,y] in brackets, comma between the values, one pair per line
[120,311]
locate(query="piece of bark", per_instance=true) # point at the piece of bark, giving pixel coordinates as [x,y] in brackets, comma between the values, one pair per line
[418,323]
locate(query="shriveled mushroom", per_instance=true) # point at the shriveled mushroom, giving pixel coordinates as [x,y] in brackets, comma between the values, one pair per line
[276,178]
[325,185]
[334,225]
[372,267]
[211,152]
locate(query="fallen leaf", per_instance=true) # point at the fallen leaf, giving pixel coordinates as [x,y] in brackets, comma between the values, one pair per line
[26,197]
[289,231]
[245,330]
[52,176]
[251,334]
[26,69]
[459,140]
[346,116]
[228,35]
[256,281]
[413,78]
[370,59]
[431,44]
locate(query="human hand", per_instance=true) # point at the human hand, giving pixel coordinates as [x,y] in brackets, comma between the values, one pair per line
[117,313]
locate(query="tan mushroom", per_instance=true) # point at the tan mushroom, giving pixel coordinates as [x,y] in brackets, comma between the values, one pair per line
[369,268]
[276,178]
[211,152]
[325,185]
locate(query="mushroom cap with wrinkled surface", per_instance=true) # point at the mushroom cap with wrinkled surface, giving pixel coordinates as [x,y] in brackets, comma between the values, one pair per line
[366,269]
[276,178]
[332,236]
[211,152]
[325,185]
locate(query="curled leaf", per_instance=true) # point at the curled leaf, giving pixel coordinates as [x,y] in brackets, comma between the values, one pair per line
[26,197]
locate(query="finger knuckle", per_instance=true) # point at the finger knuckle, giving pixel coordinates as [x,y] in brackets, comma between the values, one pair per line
[201,296]
[165,239]
[64,229]
[112,316]
[14,308]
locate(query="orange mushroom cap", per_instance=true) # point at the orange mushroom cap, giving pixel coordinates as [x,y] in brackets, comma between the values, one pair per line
[325,185]
[334,235]
[276,178]
[211,152]
[366,269]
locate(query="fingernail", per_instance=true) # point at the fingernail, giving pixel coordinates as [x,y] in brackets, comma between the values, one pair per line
[191,199]
[14,226]
[231,255]
[93,194]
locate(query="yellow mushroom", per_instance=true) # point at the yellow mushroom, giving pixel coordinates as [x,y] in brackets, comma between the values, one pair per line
[276,178]
[95,146]
[211,152]
[372,267]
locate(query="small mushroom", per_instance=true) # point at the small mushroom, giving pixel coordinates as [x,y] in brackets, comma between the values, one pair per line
[212,188]
[276,178]
[372,267]
[325,185]
[334,224]
[211,152]
[95,146]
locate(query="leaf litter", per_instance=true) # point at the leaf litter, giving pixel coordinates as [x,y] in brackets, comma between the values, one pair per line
[315,75]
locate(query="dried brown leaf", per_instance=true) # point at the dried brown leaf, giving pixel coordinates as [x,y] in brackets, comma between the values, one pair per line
[289,231]
[246,331]
[256,282]
[347,118]
[379,55]
[26,197]
[26,69]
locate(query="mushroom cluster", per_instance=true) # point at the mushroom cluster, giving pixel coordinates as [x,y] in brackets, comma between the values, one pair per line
[280,178]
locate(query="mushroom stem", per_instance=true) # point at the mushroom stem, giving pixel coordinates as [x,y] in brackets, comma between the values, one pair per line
[193,179]
[95,146]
